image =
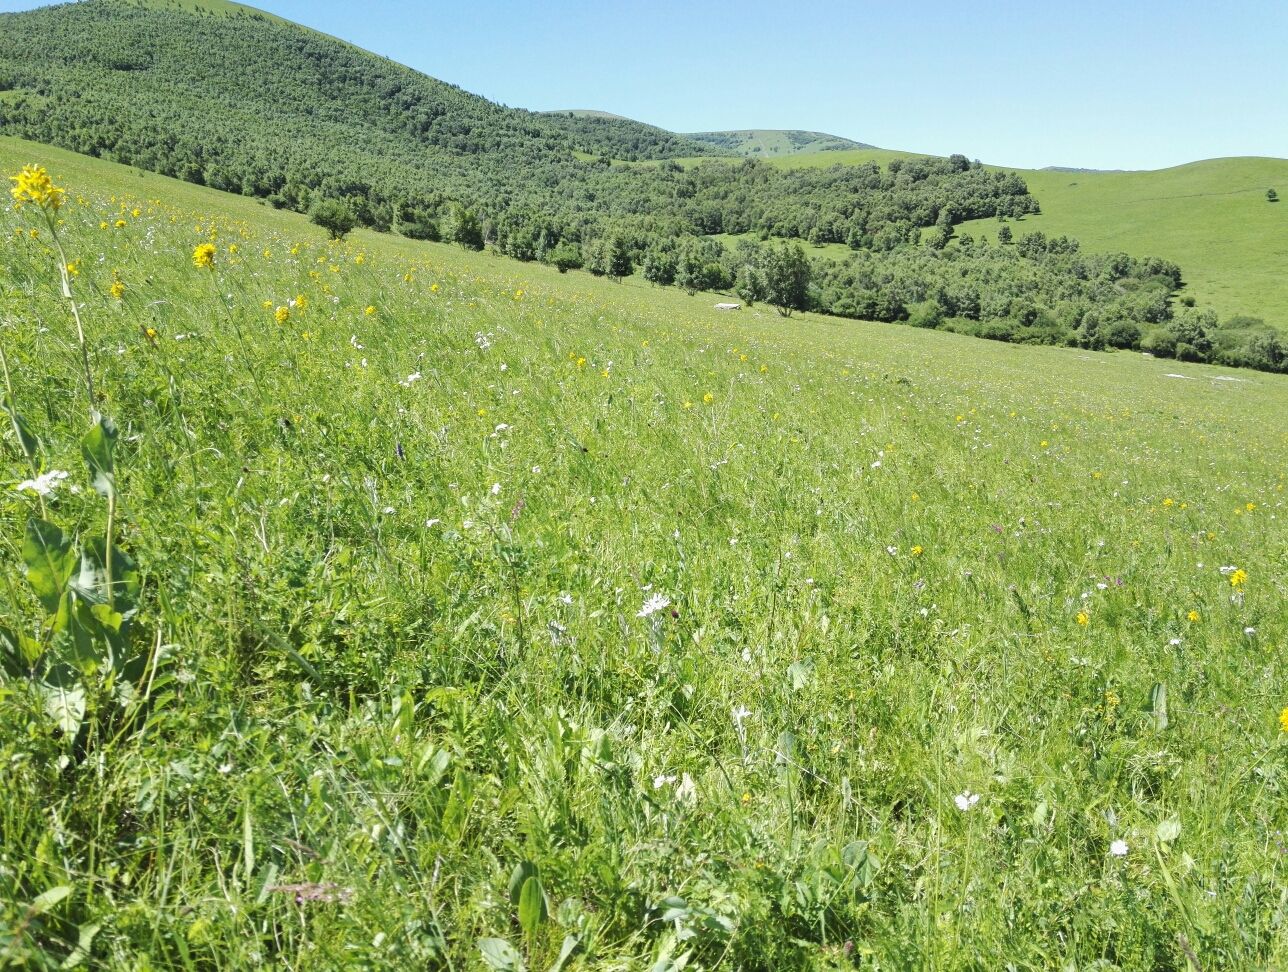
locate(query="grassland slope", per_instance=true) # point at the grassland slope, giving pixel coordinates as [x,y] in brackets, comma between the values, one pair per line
[461,613]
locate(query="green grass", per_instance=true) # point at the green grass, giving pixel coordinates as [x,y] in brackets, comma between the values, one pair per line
[1211,218]
[394,651]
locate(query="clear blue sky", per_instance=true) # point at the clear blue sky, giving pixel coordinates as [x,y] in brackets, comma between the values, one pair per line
[1124,84]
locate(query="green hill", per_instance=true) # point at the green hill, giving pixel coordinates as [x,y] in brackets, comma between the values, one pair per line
[426,609]
[765,143]
[1211,217]
[624,139]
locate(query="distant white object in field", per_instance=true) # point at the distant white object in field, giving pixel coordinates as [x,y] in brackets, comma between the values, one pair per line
[728,306]
[1186,377]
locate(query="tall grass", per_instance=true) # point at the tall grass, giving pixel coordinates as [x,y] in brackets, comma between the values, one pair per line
[496,619]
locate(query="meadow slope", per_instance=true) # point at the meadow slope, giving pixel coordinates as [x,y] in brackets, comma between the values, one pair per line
[460,614]
[1212,218]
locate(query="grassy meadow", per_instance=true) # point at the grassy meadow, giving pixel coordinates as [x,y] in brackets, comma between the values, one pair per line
[425,609]
[1210,217]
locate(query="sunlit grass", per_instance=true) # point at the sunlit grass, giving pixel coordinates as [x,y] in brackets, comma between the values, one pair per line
[462,573]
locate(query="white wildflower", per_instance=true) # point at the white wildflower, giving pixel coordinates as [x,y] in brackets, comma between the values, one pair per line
[410,379]
[43,485]
[657,602]
[965,800]
[1118,848]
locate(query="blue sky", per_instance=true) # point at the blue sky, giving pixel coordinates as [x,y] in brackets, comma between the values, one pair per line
[1127,84]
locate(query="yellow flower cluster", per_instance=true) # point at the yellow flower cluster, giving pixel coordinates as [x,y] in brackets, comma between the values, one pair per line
[203,257]
[33,185]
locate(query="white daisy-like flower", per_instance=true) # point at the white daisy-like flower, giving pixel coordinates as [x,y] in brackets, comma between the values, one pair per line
[966,800]
[496,489]
[43,485]
[657,602]
[662,780]
[1118,848]
[410,379]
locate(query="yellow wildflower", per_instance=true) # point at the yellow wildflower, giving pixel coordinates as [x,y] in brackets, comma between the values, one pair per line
[150,333]
[708,398]
[73,269]
[1083,619]
[1238,577]
[1283,719]
[370,310]
[120,224]
[301,302]
[282,314]
[117,290]
[1194,615]
[33,185]
[203,257]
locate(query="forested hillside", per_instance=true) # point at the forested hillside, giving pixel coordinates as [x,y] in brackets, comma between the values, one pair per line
[240,101]
[277,111]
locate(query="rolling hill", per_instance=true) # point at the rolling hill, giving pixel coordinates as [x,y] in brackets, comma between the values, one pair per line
[764,143]
[1210,217]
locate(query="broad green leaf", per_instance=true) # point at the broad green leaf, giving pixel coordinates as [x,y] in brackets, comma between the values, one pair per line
[522,871]
[48,899]
[1169,830]
[569,949]
[500,955]
[98,448]
[50,558]
[532,905]
[799,673]
[1158,702]
[84,942]
[65,705]
[27,439]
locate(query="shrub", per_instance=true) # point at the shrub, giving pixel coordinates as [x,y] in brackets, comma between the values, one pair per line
[333,216]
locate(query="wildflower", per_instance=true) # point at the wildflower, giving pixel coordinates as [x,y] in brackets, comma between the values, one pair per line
[581,362]
[1250,507]
[1083,618]
[117,290]
[369,310]
[918,550]
[1169,502]
[658,602]
[120,224]
[232,249]
[1194,616]
[301,302]
[708,398]
[1249,631]
[965,800]
[282,315]
[688,404]
[45,484]
[203,257]
[360,259]
[1283,720]
[746,799]
[33,185]
[267,305]
[434,288]
[1118,848]
[410,379]
[1238,577]
[150,333]
[764,368]
[73,269]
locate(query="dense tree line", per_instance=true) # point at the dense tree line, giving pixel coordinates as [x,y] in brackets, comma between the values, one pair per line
[1038,291]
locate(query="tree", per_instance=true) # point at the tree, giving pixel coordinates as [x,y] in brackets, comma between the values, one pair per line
[787,275]
[333,216]
[1272,196]
[1004,234]
[463,227]
[564,257]
[658,268]
[619,259]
